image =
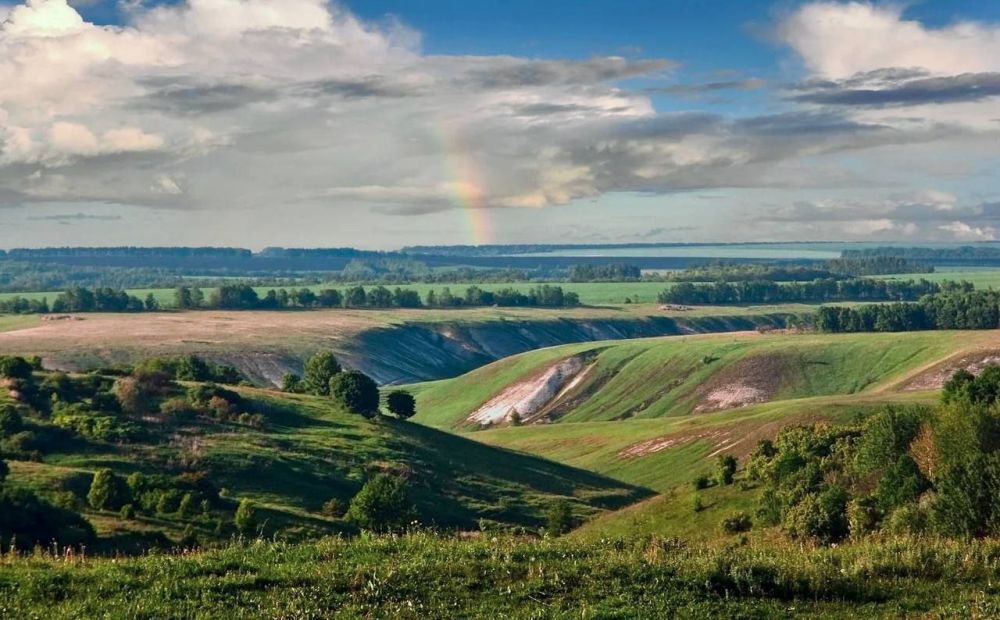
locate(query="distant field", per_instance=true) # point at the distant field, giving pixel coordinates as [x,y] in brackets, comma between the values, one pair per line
[12,322]
[591,293]
[982,278]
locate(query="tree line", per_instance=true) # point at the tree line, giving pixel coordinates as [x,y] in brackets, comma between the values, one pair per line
[952,310]
[245,297]
[763,291]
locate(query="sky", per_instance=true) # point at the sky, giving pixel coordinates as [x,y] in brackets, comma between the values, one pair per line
[384,123]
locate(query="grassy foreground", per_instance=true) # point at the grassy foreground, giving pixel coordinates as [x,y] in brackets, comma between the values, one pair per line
[424,576]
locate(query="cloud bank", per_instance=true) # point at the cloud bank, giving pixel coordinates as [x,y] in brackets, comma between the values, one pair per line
[229,105]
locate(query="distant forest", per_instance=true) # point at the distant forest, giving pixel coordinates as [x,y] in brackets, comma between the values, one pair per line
[950,310]
[805,292]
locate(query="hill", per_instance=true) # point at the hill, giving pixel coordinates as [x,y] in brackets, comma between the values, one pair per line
[688,376]
[393,346]
[289,454]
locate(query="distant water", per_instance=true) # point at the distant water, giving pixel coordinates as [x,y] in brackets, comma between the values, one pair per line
[762,251]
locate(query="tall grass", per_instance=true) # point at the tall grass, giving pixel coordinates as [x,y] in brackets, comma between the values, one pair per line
[424,575]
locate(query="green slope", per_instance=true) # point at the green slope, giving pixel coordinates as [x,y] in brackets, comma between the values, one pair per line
[677,376]
[308,451]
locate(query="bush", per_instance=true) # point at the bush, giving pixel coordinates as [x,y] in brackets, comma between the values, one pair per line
[292,383]
[558,518]
[333,508]
[862,516]
[701,482]
[356,392]
[13,367]
[107,491]
[319,371]
[245,518]
[10,421]
[382,505]
[26,521]
[739,522]
[402,404]
[727,469]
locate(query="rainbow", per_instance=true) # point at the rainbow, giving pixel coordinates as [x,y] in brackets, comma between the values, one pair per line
[466,183]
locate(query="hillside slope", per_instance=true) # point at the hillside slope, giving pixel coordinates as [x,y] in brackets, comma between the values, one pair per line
[299,453]
[693,375]
[392,346]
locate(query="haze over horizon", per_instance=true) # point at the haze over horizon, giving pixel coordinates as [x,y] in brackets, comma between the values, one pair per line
[387,123]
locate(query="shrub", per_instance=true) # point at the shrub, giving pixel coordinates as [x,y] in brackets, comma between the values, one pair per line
[356,392]
[186,509]
[558,518]
[821,516]
[319,370]
[862,516]
[13,367]
[727,469]
[245,518]
[127,512]
[10,421]
[739,522]
[26,521]
[333,508]
[907,519]
[292,383]
[106,491]
[701,482]
[697,504]
[382,505]
[402,404]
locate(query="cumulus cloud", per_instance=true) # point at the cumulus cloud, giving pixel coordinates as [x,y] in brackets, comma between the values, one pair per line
[257,104]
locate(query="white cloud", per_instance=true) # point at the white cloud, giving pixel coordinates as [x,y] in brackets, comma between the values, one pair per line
[964,232]
[837,40]
[216,105]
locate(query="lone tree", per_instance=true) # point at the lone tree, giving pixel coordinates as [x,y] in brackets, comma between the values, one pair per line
[727,468]
[245,518]
[558,518]
[104,490]
[356,392]
[382,505]
[402,404]
[319,370]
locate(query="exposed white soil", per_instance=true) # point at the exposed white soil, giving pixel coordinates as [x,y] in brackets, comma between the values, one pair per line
[658,444]
[731,397]
[935,378]
[528,398]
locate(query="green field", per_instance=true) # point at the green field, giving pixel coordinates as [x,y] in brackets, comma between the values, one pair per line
[591,293]
[982,278]
[425,576]
[653,378]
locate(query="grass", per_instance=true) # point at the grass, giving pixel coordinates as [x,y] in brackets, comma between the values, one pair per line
[14,322]
[662,377]
[422,575]
[310,451]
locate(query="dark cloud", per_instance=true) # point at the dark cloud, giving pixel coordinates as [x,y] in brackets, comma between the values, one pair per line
[64,218]
[365,88]
[899,88]
[505,73]
[183,98]
[707,87]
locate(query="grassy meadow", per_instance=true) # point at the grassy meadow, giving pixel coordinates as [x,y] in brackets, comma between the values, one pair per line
[425,576]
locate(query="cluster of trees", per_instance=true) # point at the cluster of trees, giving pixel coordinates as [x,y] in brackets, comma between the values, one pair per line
[835,269]
[861,289]
[612,272]
[543,295]
[925,254]
[953,310]
[355,391]
[904,470]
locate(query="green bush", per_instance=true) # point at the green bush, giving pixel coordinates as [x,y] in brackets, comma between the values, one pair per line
[245,518]
[402,404]
[107,491]
[356,392]
[319,370]
[739,522]
[701,482]
[382,505]
[26,521]
[558,518]
[726,469]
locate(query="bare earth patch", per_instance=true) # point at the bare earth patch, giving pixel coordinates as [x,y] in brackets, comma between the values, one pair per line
[750,381]
[530,397]
[935,377]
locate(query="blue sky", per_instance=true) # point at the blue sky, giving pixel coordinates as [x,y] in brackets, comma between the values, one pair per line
[381,123]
